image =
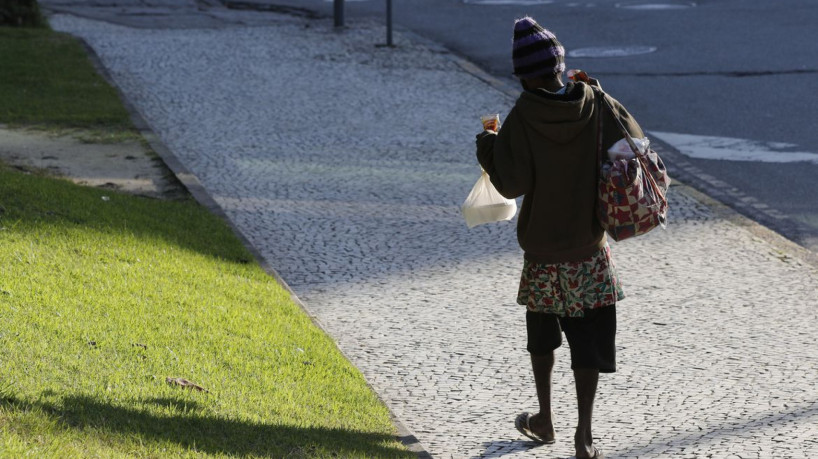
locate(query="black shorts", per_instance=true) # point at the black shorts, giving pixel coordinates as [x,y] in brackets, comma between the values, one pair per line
[591,338]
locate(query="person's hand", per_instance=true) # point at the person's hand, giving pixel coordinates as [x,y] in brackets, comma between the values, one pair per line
[485,133]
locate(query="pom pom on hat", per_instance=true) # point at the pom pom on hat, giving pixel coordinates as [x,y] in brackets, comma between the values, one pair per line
[536,52]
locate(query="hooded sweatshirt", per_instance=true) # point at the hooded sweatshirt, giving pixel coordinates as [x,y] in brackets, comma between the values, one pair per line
[546,151]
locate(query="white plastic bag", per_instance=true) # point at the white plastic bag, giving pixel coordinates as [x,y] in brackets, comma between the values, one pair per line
[486,205]
[622,150]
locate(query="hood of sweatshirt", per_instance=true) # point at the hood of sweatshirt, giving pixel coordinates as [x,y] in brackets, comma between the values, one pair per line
[558,117]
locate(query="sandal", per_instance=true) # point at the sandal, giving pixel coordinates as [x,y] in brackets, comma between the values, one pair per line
[522,425]
[597,454]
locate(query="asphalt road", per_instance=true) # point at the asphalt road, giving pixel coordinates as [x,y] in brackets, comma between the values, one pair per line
[737,69]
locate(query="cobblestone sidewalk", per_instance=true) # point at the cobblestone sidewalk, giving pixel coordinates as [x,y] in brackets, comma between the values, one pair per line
[345,165]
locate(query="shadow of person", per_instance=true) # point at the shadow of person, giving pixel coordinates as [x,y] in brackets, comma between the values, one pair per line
[204,432]
[500,448]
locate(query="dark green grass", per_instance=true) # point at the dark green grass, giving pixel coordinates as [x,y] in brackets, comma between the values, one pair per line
[102,299]
[46,79]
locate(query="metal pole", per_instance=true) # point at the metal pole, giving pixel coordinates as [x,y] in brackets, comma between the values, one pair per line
[389,23]
[339,13]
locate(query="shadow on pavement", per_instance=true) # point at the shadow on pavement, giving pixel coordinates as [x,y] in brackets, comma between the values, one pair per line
[729,429]
[500,448]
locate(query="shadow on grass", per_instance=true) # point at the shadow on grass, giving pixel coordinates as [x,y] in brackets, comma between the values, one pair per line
[212,435]
[30,202]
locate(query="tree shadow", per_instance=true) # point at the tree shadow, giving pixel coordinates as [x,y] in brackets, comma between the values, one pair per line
[31,202]
[174,403]
[500,448]
[208,434]
[717,433]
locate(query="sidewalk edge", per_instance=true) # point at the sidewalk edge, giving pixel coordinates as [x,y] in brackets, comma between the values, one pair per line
[191,182]
[709,192]
[777,241]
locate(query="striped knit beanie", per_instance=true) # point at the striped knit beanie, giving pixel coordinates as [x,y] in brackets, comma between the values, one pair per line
[536,51]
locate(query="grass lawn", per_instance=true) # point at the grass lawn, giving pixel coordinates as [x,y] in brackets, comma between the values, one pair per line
[104,296]
[47,80]
[103,299]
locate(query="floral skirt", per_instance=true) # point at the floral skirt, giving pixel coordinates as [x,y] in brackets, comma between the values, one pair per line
[568,289]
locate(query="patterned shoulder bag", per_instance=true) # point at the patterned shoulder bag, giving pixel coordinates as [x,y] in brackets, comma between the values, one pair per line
[631,196]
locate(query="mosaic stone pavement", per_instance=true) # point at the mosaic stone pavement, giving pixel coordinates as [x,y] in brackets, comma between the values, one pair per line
[345,165]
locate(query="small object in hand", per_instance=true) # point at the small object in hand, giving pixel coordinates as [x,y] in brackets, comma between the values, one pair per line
[578,75]
[491,122]
[185,383]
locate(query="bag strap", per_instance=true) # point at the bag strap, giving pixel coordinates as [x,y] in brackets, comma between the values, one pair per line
[627,135]
[598,128]
[640,157]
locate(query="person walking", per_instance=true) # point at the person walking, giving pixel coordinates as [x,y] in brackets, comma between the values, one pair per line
[546,151]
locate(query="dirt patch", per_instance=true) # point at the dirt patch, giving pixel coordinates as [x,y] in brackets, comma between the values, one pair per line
[129,166]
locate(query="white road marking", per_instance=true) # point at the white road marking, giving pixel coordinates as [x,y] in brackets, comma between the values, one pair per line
[732,149]
[508,2]
[655,6]
[611,51]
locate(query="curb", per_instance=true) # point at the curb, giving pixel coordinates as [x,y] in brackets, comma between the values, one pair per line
[189,180]
[734,206]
